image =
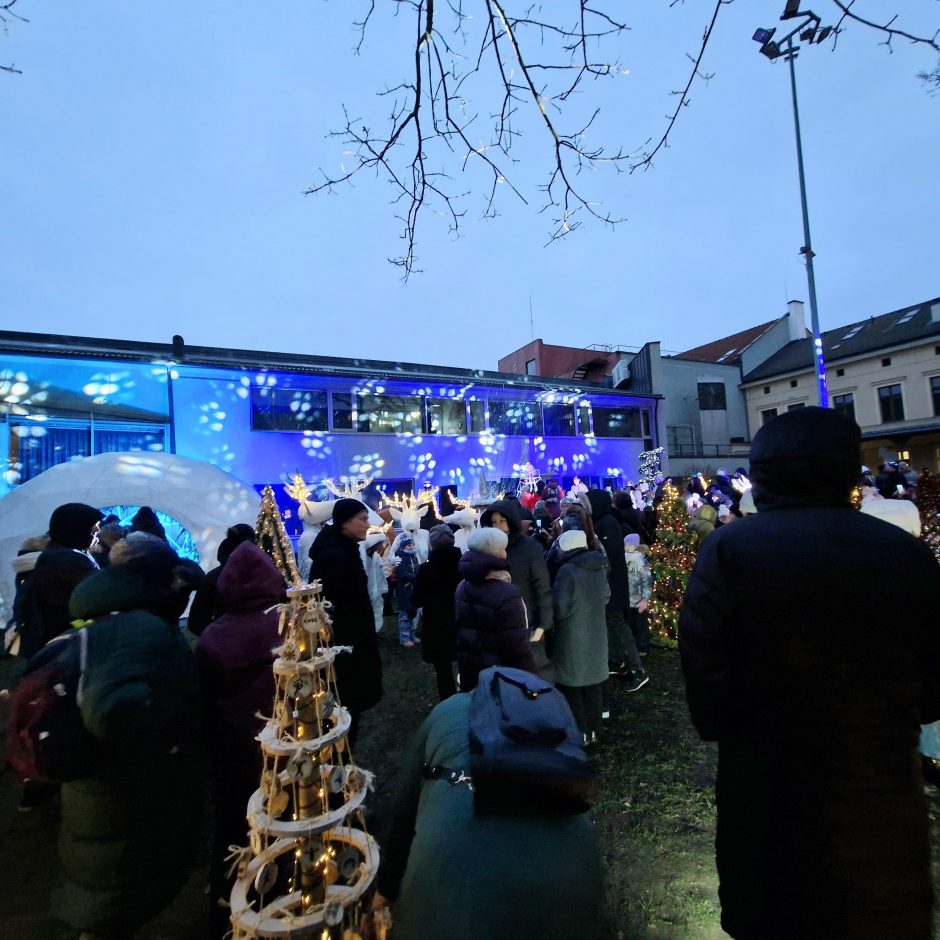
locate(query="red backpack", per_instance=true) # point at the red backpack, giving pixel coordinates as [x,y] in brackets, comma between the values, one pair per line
[46,737]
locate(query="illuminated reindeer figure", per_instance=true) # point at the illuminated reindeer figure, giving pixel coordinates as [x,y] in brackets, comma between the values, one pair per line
[408,511]
[467,518]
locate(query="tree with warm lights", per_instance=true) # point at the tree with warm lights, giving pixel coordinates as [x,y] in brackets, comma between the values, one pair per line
[928,498]
[673,556]
[272,537]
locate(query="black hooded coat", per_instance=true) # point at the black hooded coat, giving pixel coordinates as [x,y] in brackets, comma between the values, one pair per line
[335,560]
[608,531]
[814,680]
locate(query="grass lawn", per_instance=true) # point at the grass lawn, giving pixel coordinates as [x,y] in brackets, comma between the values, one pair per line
[655,812]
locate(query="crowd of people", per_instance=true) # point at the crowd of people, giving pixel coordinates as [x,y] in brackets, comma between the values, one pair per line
[821,818]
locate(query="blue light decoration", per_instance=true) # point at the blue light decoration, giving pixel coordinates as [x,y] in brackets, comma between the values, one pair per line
[177,535]
[821,372]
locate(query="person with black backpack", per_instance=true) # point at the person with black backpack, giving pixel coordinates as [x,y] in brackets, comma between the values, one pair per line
[489,833]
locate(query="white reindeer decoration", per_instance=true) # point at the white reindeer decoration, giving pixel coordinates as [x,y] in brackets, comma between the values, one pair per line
[467,518]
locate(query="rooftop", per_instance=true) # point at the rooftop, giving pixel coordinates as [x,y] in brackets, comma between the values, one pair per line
[728,349]
[909,324]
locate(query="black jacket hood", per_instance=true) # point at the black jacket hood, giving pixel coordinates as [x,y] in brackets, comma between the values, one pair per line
[70,525]
[600,501]
[510,511]
[475,566]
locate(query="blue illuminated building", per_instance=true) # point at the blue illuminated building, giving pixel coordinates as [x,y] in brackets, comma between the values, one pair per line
[262,416]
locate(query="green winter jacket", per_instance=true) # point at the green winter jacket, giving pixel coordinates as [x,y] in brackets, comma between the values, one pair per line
[130,833]
[461,876]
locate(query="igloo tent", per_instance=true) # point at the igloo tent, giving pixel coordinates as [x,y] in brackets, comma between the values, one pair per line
[202,498]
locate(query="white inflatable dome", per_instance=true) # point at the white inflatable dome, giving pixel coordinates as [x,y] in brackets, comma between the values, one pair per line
[202,498]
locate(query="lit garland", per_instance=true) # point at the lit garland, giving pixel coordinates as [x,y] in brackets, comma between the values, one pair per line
[673,556]
[928,498]
[650,465]
[272,538]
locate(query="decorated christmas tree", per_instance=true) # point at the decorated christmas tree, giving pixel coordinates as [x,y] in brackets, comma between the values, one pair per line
[273,538]
[928,498]
[672,558]
[650,462]
[310,865]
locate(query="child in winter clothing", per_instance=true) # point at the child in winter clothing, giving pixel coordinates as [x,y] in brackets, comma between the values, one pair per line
[406,573]
[640,578]
[371,550]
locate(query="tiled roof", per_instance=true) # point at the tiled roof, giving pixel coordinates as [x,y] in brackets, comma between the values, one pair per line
[728,349]
[856,339]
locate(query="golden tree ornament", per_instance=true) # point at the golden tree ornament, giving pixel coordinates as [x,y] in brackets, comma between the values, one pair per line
[272,537]
[310,865]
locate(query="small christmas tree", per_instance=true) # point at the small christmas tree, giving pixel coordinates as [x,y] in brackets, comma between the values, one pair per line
[310,866]
[673,557]
[273,538]
[650,461]
[928,497]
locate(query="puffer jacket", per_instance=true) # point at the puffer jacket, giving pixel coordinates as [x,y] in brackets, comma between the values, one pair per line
[491,620]
[131,832]
[579,644]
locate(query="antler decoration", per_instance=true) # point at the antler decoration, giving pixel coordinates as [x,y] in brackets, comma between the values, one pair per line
[298,489]
[349,490]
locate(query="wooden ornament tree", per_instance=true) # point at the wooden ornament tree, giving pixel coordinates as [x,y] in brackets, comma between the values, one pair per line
[272,537]
[310,866]
[673,556]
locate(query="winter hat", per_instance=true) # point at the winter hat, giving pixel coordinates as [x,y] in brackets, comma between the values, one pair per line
[809,456]
[344,509]
[70,525]
[632,539]
[572,539]
[489,541]
[526,514]
[238,533]
[406,542]
[723,511]
[145,520]
[441,536]
[374,538]
[146,555]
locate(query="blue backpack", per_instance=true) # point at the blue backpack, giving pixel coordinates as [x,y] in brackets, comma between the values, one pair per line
[526,757]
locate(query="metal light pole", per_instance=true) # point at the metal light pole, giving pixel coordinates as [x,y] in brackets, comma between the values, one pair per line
[809,31]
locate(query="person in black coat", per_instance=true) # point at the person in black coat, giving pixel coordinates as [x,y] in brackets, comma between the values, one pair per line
[206,605]
[64,563]
[624,658]
[490,613]
[336,562]
[434,590]
[814,680]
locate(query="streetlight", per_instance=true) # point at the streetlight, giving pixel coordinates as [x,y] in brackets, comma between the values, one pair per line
[809,31]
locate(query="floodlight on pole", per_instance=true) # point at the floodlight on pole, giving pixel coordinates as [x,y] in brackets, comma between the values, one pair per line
[772,50]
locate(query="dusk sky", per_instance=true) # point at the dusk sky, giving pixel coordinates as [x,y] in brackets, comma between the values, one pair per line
[154,158]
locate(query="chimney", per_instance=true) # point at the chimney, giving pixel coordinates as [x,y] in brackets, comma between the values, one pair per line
[796,320]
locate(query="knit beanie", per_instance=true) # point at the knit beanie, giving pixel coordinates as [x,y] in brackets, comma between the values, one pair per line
[70,525]
[572,539]
[632,539]
[489,541]
[147,555]
[441,536]
[374,538]
[344,509]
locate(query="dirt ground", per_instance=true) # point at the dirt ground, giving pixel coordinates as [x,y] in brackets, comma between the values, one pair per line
[655,812]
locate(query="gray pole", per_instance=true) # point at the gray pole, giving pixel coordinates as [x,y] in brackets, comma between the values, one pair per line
[807,250]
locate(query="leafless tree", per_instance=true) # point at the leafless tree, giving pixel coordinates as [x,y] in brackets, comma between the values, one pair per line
[536,58]
[7,13]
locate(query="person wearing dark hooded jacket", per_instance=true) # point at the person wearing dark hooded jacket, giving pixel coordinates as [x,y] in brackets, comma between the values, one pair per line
[64,563]
[206,605]
[131,831]
[624,658]
[235,655]
[490,613]
[579,650]
[336,562]
[822,824]
[434,592]
[528,570]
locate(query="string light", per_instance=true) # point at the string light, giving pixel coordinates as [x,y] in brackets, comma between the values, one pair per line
[673,556]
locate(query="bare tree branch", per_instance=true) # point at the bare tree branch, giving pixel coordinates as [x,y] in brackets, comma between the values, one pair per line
[7,13]
[887,28]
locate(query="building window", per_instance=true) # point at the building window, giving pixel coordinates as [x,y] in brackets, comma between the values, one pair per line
[390,414]
[447,416]
[274,408]
[935,393]
[767,414]
[797,406]
[840,372]
[584,419]
[891,403]
[793,383]
[681,441]
[711,396]
[844,404]
[341,407]
[530,367]
[766,389]
[886,361]
[645,415]
[477,416]
[617,422]
[517,418]
[558,420]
